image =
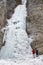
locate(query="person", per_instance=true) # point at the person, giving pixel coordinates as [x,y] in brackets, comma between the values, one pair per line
[33,52]
[36,52]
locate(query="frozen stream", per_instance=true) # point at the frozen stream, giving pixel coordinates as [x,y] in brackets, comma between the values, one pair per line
[17,43]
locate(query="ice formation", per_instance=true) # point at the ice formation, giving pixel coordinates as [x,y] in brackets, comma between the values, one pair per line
[17,43]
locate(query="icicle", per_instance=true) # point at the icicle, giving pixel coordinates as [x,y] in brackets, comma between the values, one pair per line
[24,2]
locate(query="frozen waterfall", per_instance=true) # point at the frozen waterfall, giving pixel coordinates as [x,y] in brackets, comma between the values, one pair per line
[17,42]
[24,2]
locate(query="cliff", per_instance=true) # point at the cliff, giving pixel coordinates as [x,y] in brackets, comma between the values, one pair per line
[2,19]
[35,23]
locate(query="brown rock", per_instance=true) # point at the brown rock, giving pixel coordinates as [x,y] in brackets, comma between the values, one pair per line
[35,23]
[2,19]
[11,4]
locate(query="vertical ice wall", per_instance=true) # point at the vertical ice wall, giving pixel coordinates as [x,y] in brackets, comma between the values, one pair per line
[24,2]
[17,42]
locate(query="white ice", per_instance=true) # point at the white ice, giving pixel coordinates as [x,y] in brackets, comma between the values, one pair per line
[19,17]
[17,43]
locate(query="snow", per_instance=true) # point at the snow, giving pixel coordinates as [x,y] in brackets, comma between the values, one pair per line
[32,61]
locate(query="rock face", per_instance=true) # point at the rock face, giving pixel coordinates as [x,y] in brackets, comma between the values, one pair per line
[11,4]
[2,13]
[35,23]
[2,19]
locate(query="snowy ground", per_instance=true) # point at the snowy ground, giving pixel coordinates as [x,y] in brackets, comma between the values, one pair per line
[30,61]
